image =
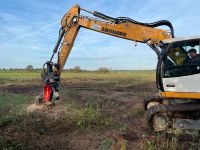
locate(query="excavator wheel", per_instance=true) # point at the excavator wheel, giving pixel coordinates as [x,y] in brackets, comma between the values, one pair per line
[157,120]
[152,100]
[164,117]
[160,122]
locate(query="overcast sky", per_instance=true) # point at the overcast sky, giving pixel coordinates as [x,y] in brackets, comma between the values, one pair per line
[29,30]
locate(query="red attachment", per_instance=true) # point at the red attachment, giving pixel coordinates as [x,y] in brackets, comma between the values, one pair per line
[47,92]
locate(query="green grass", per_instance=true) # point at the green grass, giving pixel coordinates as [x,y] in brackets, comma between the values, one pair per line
[106,144]
[23,74]
[92,117]
[12,74]
[24,77]
[111,75]
[12,105]
[168,144]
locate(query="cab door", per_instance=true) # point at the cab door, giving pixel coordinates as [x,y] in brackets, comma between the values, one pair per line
[181,69]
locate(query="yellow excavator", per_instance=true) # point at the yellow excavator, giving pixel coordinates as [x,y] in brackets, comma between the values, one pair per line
[176,105]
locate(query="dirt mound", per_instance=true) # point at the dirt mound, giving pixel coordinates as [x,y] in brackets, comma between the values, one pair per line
[34,107]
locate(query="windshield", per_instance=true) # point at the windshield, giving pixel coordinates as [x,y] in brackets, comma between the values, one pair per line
[182,58]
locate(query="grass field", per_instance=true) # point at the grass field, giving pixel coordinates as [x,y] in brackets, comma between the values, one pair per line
[97,111]
[23,74]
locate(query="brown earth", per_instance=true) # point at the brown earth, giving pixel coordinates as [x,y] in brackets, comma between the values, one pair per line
[56,127]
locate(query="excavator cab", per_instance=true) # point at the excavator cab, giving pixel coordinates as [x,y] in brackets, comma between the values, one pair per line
[179,70]
[177,105]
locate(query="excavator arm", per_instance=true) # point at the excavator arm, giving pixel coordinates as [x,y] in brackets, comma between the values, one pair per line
[121,27]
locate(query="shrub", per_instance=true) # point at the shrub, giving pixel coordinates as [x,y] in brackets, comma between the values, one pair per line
[103,70]
[29,67]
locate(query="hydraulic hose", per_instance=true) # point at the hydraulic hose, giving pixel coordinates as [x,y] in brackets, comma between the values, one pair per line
[153,24]
[61,34]
[126,19]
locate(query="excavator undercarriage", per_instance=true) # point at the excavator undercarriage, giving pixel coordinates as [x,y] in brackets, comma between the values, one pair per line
[176,116]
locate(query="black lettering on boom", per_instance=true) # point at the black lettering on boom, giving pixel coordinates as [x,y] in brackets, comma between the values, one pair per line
[114,32]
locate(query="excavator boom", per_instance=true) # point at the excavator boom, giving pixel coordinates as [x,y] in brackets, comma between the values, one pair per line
[121,27]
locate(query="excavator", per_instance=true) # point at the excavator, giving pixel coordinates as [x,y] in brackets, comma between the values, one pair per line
[177,103]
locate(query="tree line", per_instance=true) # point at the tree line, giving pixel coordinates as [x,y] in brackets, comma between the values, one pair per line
[76,69]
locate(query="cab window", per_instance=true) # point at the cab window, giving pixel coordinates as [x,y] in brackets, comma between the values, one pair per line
[182,58]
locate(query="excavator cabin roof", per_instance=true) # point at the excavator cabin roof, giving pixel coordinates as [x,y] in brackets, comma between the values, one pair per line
[180,39]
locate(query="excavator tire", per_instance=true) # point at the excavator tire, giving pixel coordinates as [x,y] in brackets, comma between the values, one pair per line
[152,100]
[159,117]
